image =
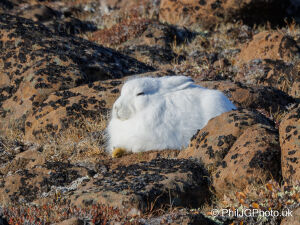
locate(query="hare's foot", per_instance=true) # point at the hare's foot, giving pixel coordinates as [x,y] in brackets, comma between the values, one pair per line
[118,152]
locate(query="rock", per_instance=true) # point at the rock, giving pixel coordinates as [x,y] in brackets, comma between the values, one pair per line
[292,220]
[23,183]
[65,109]
[211,144]
[267,45]
[37,62]
[289,133]
[208,13]
[147,186]
[72,221]
[295,91]
[253,159]
[135,183]
[272,73]
[236,158]
[252,96]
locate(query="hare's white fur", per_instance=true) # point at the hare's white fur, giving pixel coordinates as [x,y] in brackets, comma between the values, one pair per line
[162,113]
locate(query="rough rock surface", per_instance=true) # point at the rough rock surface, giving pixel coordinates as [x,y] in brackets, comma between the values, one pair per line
[221,150]
[289,131]
[210,144]
[64,109]
[250,96]
[147,184]
[257,154]
[274,46]
[29,179]
[272,73]
[136,186]
[36,62]
[209,12]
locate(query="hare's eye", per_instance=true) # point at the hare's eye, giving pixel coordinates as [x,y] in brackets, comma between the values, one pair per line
[141,93]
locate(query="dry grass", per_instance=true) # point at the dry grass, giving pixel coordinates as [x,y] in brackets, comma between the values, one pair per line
[87,140]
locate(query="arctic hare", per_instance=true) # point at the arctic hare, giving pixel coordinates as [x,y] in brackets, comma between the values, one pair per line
[162,113]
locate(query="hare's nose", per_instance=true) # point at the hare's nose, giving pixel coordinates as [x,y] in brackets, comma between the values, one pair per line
[116,108]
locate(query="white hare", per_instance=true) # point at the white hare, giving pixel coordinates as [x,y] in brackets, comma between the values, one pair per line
[162,113]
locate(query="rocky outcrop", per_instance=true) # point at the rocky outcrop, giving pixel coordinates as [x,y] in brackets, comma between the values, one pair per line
[36,62]
[270,45]
[62,110]
[249,96]
[235,158]
[146,185]
[253,159]
[289,131]
[28,176]
[210,145]
[139,186]
[273,63]
[271,73]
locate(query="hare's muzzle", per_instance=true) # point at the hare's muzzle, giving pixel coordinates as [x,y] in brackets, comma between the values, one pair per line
[121,112]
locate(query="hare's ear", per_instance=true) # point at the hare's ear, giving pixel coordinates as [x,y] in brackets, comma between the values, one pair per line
[176,83]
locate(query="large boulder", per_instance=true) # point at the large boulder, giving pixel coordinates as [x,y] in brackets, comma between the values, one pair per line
[272,73]
[235,158]
[289,132]
[257,97]
[211,144]
[134,184]
[29,176]
[70,108]
[146,186]
[270,45]
[253,159]
[36,62]
[274,62]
